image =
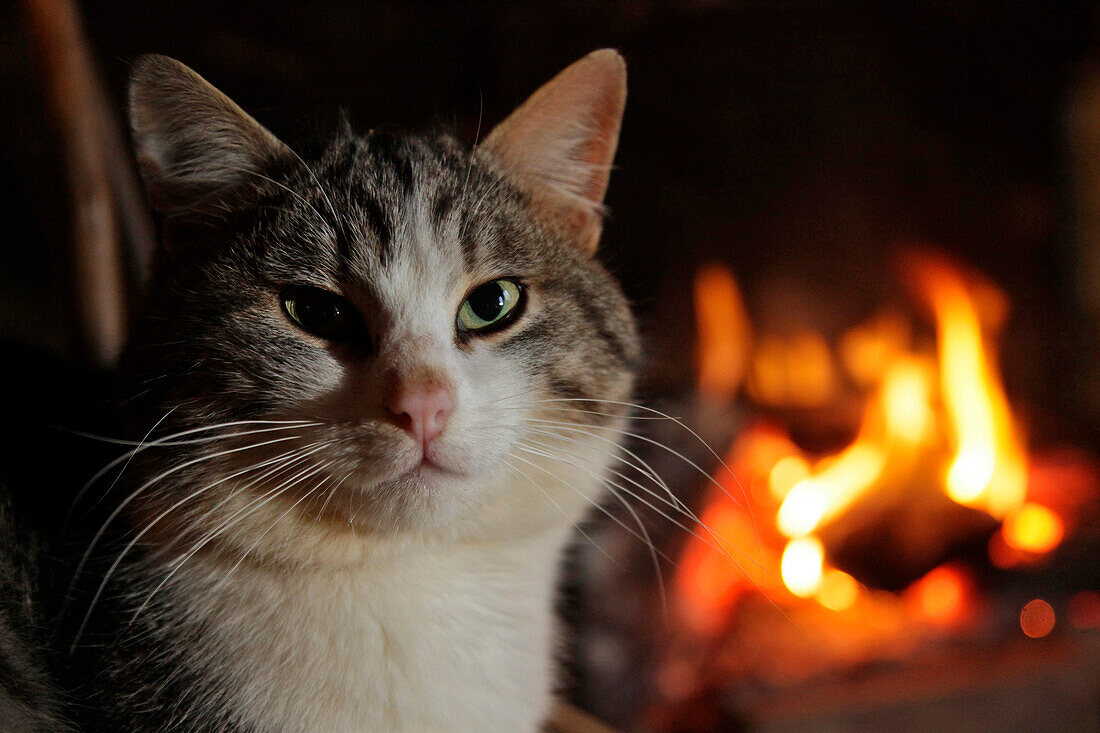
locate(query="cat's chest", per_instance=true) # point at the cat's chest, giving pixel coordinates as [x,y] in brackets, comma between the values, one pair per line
[458,641]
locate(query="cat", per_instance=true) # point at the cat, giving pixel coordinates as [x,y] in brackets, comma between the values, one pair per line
[379,379]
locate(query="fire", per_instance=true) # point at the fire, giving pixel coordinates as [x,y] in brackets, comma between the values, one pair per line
[788,472]
[724,332]
[943,596]
[944,407]
[988,470]
[907,396]
[936,462]
[803,566]
[1033,528]
[897,417]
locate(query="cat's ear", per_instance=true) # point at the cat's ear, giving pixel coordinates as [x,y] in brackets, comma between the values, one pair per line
[196,148]
[558,146]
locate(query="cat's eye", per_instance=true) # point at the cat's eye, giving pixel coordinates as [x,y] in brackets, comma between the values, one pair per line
[323,313]
[490,306]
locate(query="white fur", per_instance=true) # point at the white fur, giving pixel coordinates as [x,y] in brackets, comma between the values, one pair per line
[419,636]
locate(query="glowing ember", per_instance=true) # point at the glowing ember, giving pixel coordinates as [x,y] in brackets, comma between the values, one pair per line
[941,597]
[839,591]
[802,566]
[1033,528]
[1037,618]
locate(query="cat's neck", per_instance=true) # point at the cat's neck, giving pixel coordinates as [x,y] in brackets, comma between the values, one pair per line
[454,637]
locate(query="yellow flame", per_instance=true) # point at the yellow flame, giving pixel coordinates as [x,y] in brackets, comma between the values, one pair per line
[822,496]
[900,413]
[907,395]
[802,566]
[1033,528]
[988,470]
[788,472]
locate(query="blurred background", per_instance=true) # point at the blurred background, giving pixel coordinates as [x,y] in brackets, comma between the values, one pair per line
[876,229]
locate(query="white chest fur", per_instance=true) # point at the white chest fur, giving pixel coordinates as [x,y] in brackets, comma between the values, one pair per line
[454,638]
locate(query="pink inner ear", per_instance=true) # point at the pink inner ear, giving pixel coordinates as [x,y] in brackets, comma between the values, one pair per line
[560,143]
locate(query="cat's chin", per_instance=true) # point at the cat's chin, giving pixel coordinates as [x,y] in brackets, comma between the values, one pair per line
[424,495]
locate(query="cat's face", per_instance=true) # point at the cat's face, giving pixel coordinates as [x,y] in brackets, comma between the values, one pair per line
[431,314]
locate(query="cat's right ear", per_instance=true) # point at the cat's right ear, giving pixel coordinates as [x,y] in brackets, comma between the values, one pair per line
[559,145]
[197,150]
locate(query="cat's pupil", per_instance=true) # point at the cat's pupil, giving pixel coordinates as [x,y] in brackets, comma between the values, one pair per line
[488,301]
[323,313]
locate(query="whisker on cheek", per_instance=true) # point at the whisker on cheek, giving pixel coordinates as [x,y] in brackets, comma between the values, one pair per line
[129,499]
[239,516]
[580,530]
[598,506]
[715,541]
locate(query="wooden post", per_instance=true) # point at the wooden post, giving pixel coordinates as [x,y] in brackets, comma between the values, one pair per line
[101,178]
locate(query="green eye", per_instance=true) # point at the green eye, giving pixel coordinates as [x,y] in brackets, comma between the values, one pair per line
[490,306]
[323,314]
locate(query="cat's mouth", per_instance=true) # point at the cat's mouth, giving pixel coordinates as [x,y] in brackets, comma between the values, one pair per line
[430,465]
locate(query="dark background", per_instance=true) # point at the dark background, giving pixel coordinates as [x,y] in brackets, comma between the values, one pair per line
[798,142]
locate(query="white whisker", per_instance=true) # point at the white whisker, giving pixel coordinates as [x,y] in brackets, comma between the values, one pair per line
[644,468]
[172,441]
[597,505]
[742,502]
[556,505]
[717,542]
[242,513]
[121,507]
[320,188]
[305,495]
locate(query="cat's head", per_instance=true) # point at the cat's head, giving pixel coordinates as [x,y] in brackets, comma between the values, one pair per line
[394,332]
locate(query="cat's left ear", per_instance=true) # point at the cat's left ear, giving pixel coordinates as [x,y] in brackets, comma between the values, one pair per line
[196,148]
[559,145]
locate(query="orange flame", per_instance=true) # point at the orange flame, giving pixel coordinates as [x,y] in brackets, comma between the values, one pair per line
[724,332]
[898,416]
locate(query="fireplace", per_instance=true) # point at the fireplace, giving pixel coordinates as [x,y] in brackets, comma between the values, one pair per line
[879,537]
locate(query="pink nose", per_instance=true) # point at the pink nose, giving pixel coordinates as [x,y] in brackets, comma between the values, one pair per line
[422,409]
